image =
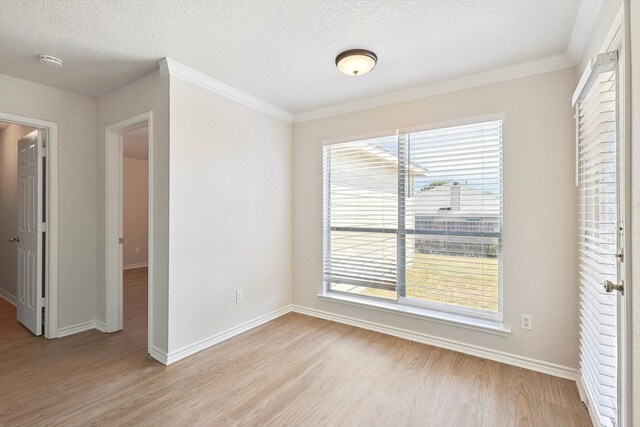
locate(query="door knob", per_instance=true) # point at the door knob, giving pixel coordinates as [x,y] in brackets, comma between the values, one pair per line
[609,286]
[14,239]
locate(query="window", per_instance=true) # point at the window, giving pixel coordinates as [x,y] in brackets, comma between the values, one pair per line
[416,219]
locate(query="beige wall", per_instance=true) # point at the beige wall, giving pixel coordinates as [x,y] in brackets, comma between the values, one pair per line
[77,228]
[135,212]
[540,209]
[9,207]
[634,16]
[150,93]
[230,214]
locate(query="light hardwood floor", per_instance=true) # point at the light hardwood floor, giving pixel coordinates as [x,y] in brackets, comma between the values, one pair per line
[295,370]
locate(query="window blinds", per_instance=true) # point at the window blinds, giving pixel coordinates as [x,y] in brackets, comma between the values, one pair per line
[454,244]
[417,218]
[361,216]
[598,219]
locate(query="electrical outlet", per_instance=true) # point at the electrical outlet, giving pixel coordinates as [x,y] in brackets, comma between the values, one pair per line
[137,250]
[239,296]
[526,321]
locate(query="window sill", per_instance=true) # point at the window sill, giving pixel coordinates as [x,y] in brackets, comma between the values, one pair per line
[421,313]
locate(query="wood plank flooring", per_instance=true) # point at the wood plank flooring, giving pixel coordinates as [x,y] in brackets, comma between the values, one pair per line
[295,370]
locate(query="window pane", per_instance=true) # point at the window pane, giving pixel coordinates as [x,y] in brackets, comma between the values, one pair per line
[361,217]
[446,251]
[454,217]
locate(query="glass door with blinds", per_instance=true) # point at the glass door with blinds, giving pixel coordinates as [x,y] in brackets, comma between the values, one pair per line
[601,231]
[416,219]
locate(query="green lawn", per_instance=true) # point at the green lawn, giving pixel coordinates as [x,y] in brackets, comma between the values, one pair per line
[462,281]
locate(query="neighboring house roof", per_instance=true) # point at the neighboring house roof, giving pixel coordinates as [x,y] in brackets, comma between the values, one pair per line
[378,151]
[453,199]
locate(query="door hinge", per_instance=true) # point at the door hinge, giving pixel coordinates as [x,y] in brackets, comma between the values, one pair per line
[121,240]
[43,301]
[620,255]
[43,151]
[44,227]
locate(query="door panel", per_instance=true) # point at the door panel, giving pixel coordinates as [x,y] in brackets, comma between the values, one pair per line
[30,243]
[601,230]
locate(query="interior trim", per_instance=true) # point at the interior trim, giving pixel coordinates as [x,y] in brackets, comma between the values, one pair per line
[81,327]
[175,69]
[461,347]
[188,350]
[544,65]
[585,21]
[8,297]
[423,313]
[159,355]
[478,351]
[587,398]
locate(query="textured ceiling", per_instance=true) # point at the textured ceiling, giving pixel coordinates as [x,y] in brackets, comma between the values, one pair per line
[281,51]
[135,143]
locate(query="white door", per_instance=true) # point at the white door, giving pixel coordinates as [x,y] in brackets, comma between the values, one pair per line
[601,182]
[29,236]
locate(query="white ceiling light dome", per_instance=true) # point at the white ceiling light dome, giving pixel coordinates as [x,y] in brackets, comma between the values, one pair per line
[356,62]
[51,61]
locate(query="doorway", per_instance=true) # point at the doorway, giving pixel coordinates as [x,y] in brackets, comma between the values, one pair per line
[129,226]
[28,225]
[135,189]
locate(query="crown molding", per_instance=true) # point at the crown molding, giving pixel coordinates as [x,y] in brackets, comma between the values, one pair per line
[169,67]
[585,21]
[544,65]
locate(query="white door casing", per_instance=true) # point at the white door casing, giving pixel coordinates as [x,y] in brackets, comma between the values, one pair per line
[30,201]
[114,227]
[114,275]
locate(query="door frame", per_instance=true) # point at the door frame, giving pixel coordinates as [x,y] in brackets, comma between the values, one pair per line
[50,250]
[618,39]
[113,222]
[625,359]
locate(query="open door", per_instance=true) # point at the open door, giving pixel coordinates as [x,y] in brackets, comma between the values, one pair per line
[601,178]
[29,237]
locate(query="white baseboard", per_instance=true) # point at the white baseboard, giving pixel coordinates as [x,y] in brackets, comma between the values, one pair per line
[474,350]
[138,265]
[586,397]
[188,350]
[478,351]
[81,327]
[8,297]
[159,355]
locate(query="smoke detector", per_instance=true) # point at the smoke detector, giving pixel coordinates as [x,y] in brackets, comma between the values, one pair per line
[51,61]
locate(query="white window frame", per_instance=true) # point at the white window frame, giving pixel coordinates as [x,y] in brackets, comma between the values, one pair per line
[461,316]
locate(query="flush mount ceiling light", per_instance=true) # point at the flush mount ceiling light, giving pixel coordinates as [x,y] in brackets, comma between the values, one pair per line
[356,62]
[51,61]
